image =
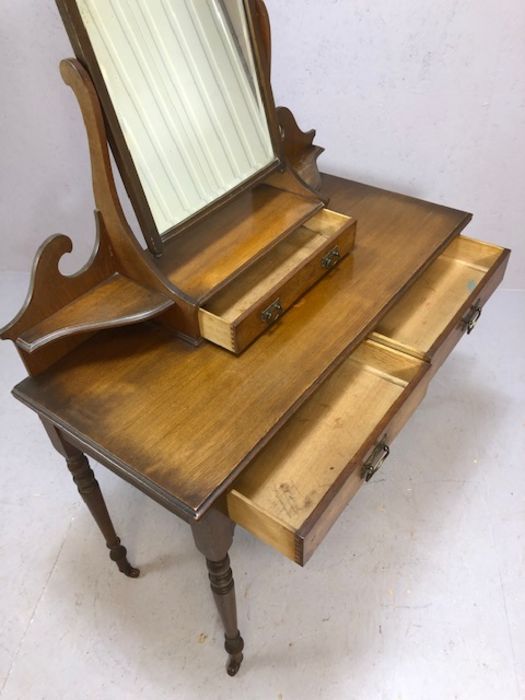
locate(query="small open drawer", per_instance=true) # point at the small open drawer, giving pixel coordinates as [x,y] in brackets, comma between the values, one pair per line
[445,302]
[255,300]
[296,487]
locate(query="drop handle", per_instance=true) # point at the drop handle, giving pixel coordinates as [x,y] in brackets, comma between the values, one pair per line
[331,258]
[375,461]
[273,312]
[473,317]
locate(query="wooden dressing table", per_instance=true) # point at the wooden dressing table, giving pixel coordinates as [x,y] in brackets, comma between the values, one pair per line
[273,428]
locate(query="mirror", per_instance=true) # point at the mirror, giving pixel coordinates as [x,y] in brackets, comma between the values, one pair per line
[183,82]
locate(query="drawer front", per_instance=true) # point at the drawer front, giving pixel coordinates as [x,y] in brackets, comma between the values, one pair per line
[295,489]
[445,302]
[374,453]
[257,299]
[298,485]
[270,309]
[470,314]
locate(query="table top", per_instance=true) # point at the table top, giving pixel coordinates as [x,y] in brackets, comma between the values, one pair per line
[181,422]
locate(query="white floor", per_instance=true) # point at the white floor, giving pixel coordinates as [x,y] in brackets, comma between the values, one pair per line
[417,593]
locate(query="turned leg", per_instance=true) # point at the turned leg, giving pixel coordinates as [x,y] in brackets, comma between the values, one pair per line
[213,536]
[89,489]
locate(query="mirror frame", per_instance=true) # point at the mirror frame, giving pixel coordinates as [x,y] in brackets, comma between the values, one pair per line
[259,30]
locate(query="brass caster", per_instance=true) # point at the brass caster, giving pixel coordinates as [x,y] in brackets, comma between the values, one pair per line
[131,572]
[118,554]
[234,664]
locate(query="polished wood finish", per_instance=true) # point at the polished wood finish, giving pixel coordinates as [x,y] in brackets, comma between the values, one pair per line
[258,22]
[120,376]
[115,301]
[120,284]
[324,442]
[205,257]
[254,301]
[41,304]
[299,148]
[213,537]
[287,138]
[465,274]
[280,438]
[129,257]
[297,486]
[84,53]
[89,489]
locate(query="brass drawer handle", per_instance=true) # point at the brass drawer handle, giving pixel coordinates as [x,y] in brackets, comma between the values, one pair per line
[273,312]
[331,258]
[473,317]
[375,461]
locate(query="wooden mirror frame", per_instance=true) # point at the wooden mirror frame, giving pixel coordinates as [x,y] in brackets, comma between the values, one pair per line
[259,30]
[122,283]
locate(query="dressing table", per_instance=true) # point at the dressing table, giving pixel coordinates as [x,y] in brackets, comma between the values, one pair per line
[253,365]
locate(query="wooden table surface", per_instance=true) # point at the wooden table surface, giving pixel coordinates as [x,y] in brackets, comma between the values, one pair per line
[181,422]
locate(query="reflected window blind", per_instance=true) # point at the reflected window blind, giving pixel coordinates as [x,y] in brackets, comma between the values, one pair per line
[185,96]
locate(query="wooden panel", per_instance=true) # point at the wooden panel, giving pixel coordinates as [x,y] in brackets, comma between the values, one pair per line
[296,487]
[113,302]
[207,255]
[438,300]
[299,148]
[343,489]
[286,482]
[185,421]
[233,317]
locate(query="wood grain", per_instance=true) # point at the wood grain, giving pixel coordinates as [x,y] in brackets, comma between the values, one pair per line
[115,301]
[343,488]
[290,476]
[116,252]
[297,486]
[184,421]
[45,274]
[208,255]
[418,320]
[39,303]
[82,46]
[130,259]
[233,317]
[299,148]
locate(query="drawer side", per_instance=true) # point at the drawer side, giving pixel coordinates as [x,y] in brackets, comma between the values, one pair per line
[437,305]
[283,497]
[258,298]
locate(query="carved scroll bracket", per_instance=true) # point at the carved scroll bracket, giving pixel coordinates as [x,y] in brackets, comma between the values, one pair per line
[130,258]
[119,285]
[299,149]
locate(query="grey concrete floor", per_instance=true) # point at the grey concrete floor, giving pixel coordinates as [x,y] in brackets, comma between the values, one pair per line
[417,592]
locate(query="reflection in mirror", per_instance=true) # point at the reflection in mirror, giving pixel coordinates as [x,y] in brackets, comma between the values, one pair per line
[182,79]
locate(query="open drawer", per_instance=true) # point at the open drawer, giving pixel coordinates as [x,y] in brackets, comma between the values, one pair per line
[445,302]
[296,487]
[255,300]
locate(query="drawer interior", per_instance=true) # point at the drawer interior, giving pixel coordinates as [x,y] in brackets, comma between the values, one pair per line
[263,280]
[287,482]
[417,321]
[295,488]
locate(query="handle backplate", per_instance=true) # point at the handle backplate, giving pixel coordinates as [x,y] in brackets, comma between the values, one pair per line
[376,460]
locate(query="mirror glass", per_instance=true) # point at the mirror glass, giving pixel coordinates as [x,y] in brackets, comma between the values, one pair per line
[182,79]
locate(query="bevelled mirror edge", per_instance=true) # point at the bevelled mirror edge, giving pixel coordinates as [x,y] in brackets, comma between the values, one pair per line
[258,29]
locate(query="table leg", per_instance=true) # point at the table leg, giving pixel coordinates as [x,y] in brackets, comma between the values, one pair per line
[213,537]
[89,489]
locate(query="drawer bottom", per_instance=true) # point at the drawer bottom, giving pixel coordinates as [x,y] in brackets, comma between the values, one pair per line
[293,491]
[296,487]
